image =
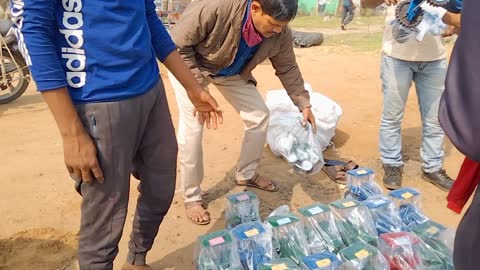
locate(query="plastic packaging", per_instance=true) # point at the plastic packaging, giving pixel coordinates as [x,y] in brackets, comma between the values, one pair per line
[354,222]
[361,184]
[218,251]
[439,238]
[431,23]
[242,207]
[254,244]
[320,229]
[282,110]
[279,264]
[408,201]
[321,261]
[296,143]
[384,213]
[288,237]
[402,250]
[362,256]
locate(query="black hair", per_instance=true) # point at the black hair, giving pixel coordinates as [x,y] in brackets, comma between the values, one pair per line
[282,10]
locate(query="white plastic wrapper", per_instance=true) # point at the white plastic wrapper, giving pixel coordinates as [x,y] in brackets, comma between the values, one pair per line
[402,250]
[242,207]
[354,222]
[384,213]
[439,238]
[361,184]
[254,244]
[289,239]
[320,229]
[217,251]
[322,261]
[362,256]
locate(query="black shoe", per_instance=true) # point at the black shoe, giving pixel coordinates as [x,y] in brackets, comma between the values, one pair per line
[343,27]
[439,179]
[393,177]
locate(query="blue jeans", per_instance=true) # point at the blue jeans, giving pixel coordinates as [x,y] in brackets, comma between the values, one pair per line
[397,77]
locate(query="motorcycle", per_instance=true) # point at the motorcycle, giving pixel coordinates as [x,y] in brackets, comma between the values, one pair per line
[14,72]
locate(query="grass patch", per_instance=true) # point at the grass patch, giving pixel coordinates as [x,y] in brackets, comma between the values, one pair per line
[365,42]
[335,22]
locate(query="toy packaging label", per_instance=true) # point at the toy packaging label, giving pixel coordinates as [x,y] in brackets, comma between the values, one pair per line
[360,172]
[404,193]
[407,195]
[376,203]
[277,221]
[281,266]
[313,210]
[242,197]
[362,254]
[429,229]
[323,263]
[251,233]
[345,203]
[216,241]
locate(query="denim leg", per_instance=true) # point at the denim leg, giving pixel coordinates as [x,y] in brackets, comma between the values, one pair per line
[430,84]
[397,76]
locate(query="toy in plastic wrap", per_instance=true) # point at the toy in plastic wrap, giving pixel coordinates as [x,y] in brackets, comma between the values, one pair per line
[321,261]
[408,201]
[354,222]
[361,184]
[218,251]
[362,256]
[288,237]
[299,147]
[320,229]
[403,250]
[384,213]
[254,244]
[279,264]
[439,238]
[242,207]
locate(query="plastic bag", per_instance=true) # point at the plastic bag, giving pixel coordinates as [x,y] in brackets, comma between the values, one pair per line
[384,213]
[354,222]
[298,146]
[361,184]
[402,250]
[439,238]
[254,244]
[320,229]
[321,261]
[362,256]
[279,264]
[288,237]
[217,251]
[408,201]
[432,22]
[326,111]
[242,207]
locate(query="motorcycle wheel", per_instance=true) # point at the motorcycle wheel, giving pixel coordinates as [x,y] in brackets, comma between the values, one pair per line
[19,79]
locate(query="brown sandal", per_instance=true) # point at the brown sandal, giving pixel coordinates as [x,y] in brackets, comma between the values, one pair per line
[336,170]
[189,207]
[272,187]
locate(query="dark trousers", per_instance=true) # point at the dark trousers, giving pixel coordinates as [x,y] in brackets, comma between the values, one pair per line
[466,254]
[132,136]
[347,14]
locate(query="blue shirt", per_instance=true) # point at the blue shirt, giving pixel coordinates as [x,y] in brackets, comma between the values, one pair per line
[244,53]
[100,50]
[346,3]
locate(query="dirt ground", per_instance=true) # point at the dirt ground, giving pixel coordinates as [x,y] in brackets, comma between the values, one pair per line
[40,210]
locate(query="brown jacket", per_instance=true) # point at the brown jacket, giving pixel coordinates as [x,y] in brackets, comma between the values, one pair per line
[207,36]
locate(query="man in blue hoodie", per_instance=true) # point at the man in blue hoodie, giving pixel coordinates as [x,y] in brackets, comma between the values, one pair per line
[95,64]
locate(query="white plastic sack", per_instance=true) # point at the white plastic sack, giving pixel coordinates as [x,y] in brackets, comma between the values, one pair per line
[283,113]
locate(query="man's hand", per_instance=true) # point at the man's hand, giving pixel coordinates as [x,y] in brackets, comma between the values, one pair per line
[308,117]
[206,107]
[80,155]
[79,151]
[450,31]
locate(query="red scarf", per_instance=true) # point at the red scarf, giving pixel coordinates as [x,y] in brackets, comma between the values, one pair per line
[250,35]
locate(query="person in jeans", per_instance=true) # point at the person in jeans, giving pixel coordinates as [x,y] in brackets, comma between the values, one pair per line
[424,63]
[348,13]
[222,41]
[95,64]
